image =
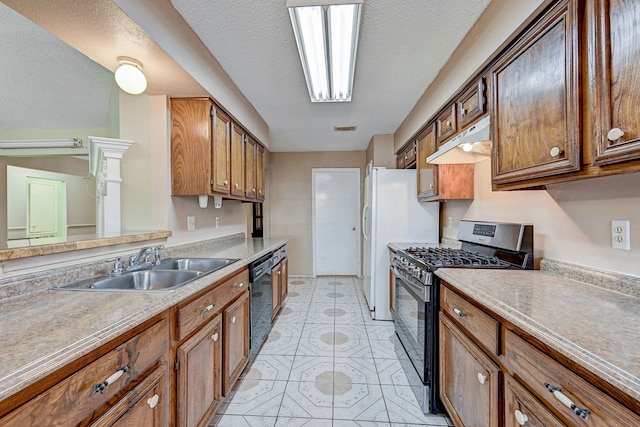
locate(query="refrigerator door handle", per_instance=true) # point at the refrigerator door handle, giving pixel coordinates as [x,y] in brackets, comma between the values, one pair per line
[364,222]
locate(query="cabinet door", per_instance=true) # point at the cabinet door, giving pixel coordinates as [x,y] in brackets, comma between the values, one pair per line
[522,409]
[146,405]
[260,180]
[617,66]
[238,138]
[446,124]
[469,380]
[250,167]
[276,294]
[199,375]
[236,341]
[191,149]
[221,162]
[427,176]
[536,123]
[472,104]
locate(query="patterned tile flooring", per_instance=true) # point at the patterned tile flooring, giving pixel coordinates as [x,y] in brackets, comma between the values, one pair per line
[325,363]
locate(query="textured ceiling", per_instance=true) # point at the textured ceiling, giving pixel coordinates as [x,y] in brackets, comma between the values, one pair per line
[402,46]
[58,87]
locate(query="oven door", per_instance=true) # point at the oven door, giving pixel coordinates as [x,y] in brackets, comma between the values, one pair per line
[410,320]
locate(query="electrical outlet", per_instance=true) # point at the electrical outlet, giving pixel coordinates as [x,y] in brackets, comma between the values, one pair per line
[191,223]
[449,222]
[217,222]
[621,234]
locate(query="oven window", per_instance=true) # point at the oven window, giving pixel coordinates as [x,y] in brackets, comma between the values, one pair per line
[410,321]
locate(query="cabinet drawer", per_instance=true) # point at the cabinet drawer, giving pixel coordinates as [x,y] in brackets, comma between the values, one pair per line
[479,324]
[203,308]
[75,398]
[446,124]
[146,405]
[521,408]
[535,369]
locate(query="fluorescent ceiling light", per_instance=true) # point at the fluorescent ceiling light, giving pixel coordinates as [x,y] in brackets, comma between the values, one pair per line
[41,143]
[327,39]
[129,76]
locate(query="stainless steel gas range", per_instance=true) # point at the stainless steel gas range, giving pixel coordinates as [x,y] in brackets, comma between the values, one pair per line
[417,293]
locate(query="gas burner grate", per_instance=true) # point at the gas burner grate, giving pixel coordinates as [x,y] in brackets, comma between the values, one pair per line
[446,257]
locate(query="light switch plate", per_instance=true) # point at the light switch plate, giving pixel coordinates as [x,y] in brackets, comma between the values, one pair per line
[191,223]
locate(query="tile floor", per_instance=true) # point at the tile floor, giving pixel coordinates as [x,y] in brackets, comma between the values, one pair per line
[325,363]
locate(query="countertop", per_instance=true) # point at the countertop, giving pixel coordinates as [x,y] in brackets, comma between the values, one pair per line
[595,327]
[44,331]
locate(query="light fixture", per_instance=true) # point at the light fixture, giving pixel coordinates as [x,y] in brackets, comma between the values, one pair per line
[41,143]
[129,76]
[326,33]
[469,146]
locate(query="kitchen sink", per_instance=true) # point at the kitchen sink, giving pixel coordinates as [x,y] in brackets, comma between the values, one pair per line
[167,276]
[204,265]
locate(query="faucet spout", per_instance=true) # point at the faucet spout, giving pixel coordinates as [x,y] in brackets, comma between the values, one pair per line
[134,261]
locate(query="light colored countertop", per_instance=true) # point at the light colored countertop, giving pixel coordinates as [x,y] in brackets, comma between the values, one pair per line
[43,331]
[597,328]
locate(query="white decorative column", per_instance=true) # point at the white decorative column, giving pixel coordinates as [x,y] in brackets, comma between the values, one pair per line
[105,156]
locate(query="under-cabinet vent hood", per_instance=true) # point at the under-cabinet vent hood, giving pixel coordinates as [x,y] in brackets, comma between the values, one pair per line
[470,146]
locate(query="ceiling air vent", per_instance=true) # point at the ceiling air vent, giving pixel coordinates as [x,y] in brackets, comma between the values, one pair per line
[344,128]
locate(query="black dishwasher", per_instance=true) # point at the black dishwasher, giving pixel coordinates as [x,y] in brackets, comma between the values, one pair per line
[261,287]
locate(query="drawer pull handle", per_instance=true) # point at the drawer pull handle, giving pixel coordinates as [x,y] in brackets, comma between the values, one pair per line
[239,285]
[153,401]
[112,378]
[482,378]
[215,336]
[557,392]
[520,417]
[207,308]
[459,312]
[233,319]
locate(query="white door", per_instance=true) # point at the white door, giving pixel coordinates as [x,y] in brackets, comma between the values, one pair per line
[336,221]
[46,208]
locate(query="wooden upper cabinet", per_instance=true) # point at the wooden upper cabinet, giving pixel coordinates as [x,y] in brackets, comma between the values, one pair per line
[238,137]
[250,168]
[406,157]
[427,177]
[260,172]
[446,124]
[615,33]
[536,120]
[472,104]
[221,160]
[191,149]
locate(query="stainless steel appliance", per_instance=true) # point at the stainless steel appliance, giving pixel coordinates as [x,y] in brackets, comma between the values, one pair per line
[261,288]
[417,293]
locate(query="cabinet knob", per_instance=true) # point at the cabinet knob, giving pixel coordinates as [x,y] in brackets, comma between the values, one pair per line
[431,186]
[233,319]
[463,112]
[211,181]
[226,182]
[520,417]
[448,123]
[215,336]
[482,378]
[554,152]
[253,190]
[239,285]
[237,185]
[615,134]
[153,401]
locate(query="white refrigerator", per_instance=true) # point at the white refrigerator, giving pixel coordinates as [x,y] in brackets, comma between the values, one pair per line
[391,213]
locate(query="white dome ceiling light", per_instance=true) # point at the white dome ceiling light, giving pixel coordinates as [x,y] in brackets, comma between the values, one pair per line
[129,76]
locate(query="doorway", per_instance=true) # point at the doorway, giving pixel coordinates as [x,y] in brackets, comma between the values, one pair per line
[46,208]
[336,221]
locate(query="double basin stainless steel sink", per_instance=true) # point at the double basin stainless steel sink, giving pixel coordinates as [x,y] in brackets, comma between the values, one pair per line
[169,275]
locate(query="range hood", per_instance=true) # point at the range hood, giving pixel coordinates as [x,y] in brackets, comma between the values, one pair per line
[470,146]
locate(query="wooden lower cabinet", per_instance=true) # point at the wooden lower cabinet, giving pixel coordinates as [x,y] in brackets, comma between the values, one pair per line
[521,408]
[469,379]
[235,319]
[199,375]
[280,279]
[146,405]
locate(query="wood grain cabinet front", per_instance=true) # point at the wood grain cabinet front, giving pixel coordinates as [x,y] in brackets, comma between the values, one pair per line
[523,409]
[251,166]
[446,124]
[536,116]
[406,156]
[199,375]
[469,379]
[472,104]
[236,341]
[238,156]
[98,386]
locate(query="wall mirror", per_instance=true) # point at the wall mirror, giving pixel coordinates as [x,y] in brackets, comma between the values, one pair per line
[49,90]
